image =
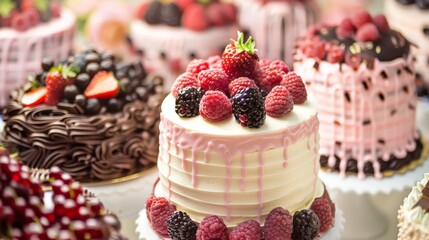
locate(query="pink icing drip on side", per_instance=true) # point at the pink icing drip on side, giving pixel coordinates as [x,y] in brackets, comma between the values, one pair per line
[261,161]
[243,172]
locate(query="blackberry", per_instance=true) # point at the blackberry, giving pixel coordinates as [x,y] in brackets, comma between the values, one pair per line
[181,227]
[171,15]
[306,225]
[248,107]
[153,13]
[263,92]
[188,102]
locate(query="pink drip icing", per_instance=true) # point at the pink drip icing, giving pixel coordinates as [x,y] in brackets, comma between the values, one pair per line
[184,158]
[243,172]
[260,182]
[228,163]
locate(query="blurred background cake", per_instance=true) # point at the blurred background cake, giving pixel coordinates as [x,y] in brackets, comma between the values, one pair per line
[29,31]
[94,117]
[416,28]
[362,74]
[413,215]
[275,24]
[169,34]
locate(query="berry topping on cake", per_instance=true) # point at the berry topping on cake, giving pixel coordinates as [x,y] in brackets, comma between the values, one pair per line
[361,18]
[335,53]
[194,18]
[171,15]
[248,230]
[56,80]
[181,227]
[296,87]
[278,224]
[278,102]
[381,23]
[34,97]
[215,106]
[367,32]
[239,58]
[248,108]
[239,84]
[153,13]
[103,85]
[186,79]
[159,211]
[346,29]
[214,79]
[267,78]
[322,208]
[188,102]
[196,66]
[279,66]
[27,213]
[306,225]
[212,227]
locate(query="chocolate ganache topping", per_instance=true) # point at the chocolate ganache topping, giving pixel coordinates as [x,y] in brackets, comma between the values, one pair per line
[90,147]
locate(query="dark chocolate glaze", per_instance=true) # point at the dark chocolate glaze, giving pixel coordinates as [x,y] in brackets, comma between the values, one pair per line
[89,148]
[392,164]
[422,4]
[391,45]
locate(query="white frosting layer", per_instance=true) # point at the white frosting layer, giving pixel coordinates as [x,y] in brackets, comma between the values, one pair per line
[239,173]
[276,25]
[412,27]
[417,215]
[364,114]
[22,52]
[177,44]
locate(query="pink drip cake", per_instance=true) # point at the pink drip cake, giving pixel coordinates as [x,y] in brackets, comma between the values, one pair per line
[362,74]
[29,32]
[239,154]
[416,29]
[276,24]
[169,35]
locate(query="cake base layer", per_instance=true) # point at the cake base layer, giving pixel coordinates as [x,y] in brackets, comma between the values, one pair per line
[387,168]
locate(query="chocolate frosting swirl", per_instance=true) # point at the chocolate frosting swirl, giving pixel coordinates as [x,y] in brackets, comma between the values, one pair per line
[90,148]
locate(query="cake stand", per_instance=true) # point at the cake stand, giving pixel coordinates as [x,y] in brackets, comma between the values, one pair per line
[353,196]
[145,232]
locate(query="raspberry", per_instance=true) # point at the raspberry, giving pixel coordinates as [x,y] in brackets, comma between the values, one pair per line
[335,54]
[278,102]
[248,230]
[149,202]
[367,32]
[194,17]
[306,225]
[214,79]
[345,29]
[279,66]
[215,61]
[184,80]
[264,63]
[19,22]
[181,227]
[240,83]
[196,66]
[322,208]
[278,224]
[381,23]
[188,102]
[296,87]
[361,18]
[248,108]
[159,212]
[215,106]
[314,49]
[267,78]
[212,228]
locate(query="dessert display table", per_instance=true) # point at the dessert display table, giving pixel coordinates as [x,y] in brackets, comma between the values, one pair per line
[364,219]
[145,232]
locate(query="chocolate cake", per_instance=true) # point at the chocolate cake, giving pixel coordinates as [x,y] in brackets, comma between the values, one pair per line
[101,124]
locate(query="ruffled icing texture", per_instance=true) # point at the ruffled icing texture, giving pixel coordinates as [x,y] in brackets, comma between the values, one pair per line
[101,147]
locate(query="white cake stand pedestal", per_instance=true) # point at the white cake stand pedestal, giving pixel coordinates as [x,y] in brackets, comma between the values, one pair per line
[145,232]
[353,196]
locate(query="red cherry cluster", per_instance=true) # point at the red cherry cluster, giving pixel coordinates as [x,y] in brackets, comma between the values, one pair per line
[23,214]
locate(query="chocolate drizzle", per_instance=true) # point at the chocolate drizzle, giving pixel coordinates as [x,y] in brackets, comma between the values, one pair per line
[393,163]
[391,45]
[423,202]
[101,147]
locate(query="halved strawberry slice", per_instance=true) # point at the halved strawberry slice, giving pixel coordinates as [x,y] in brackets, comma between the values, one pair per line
[102,85]
[34,97]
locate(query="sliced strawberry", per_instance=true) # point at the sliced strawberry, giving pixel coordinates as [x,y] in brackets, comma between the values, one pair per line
[102,85]
[34,97]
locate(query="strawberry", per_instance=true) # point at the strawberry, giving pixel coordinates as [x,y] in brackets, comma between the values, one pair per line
[34,97]
[194,18]
[56,80]
[239,58]
[102,85]
[141,9]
